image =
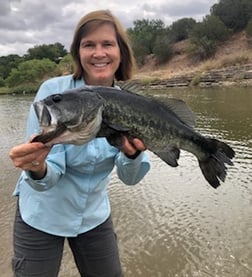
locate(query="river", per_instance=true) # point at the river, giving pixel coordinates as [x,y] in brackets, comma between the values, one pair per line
[172,224]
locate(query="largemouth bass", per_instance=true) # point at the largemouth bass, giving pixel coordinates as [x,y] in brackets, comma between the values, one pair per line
[77,116]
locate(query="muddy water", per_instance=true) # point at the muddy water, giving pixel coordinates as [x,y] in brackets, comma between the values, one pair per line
[172,224]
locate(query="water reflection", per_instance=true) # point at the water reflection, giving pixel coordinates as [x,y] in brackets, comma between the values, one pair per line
[173,223]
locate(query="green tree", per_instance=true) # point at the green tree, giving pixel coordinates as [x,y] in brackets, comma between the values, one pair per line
[249,32]
[2,83]
[249,28]
[206,36]
[163,49]
[53,52]
[180,29]
[32,72]
[66,64]
[235,14]
[7,63]
[144,36]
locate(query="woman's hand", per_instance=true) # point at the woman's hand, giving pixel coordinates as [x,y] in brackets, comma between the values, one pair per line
[30,156]
[132,148]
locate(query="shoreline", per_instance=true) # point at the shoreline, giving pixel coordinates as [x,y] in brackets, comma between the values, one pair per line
[232,76]
[240,75]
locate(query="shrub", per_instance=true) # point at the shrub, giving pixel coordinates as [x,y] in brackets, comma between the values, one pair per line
[195,80]
[32,72]
[206,36]
[2,82]
[24,89]
[235,14]
[249,28]
[162,49]
[181,28]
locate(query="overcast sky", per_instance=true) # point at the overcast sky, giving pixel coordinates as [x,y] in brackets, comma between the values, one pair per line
[26,23]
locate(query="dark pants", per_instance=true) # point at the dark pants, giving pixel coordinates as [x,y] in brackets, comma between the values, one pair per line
[39,254]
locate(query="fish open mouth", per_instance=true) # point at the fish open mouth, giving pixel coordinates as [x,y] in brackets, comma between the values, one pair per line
[50,131]
[42,114]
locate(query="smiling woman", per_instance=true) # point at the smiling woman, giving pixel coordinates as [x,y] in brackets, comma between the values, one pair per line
[62,191]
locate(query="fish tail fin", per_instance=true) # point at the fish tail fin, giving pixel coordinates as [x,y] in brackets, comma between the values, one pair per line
[214,167]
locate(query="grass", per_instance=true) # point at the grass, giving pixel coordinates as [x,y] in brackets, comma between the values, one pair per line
[21,89]
[236,59]
[4,90]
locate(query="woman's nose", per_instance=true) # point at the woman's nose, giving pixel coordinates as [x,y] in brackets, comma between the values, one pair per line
[99,51]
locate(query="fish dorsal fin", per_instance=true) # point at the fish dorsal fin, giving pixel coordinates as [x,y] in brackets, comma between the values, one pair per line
[180,108]
[134,86]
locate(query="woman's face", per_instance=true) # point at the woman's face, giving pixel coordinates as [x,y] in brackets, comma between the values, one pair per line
[100,55]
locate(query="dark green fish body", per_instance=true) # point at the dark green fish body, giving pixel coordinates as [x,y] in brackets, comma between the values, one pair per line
[165,128]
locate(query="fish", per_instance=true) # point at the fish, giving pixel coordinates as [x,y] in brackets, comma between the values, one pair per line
[78,115]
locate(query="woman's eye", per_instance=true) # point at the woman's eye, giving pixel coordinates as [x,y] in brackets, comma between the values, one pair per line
[107,44]
[88,45]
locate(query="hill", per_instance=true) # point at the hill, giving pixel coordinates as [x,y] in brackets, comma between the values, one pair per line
[232,62]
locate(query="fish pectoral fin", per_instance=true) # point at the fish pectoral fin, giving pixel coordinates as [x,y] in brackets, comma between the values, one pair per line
[116,140]
[170,156]
[115,127]
[107,127]
[113,133]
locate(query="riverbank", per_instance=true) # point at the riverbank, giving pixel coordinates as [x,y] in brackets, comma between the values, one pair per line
[240,75]
[230,66]
[232,76]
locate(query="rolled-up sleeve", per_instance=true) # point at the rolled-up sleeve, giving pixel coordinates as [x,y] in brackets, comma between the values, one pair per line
[56,167]
[132,171]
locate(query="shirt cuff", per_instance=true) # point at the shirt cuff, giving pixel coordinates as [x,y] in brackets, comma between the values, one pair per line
[133,157]
[46,182]
[128,160]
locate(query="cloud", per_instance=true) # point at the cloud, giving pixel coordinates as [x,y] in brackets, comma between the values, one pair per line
[4,8]
[26,23]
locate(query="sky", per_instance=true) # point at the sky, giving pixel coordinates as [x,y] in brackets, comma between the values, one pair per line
[28,23]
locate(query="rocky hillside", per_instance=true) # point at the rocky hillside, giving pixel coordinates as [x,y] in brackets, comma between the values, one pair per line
[231,65]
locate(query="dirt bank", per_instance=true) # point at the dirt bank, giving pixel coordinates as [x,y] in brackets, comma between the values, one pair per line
[230,66]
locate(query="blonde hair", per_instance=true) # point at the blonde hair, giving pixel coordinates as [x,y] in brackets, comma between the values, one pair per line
[88,23]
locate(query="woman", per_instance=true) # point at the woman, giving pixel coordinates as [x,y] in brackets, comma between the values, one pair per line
[62,191]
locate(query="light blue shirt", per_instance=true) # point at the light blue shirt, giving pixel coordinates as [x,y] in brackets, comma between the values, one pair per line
[72,198]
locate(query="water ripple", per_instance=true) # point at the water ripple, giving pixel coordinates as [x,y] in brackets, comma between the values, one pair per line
[172,224]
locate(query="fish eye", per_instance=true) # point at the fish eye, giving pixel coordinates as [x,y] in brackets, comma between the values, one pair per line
[57,98]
